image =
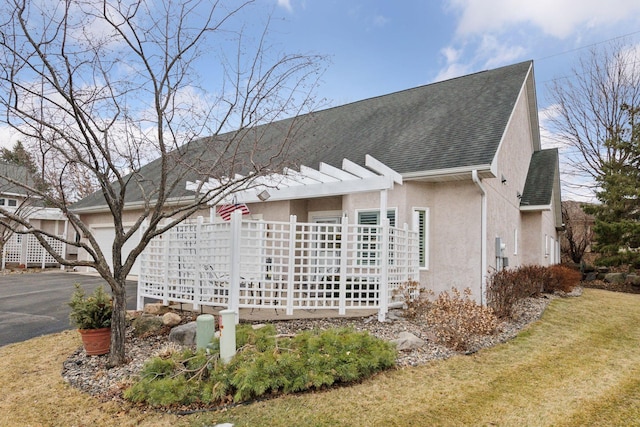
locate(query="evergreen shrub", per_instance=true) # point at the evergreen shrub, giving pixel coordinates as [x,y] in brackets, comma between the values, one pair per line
[265,364]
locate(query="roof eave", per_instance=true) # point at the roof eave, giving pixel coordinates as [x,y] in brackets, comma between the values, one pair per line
[130,206]
[535,208]
[449,174]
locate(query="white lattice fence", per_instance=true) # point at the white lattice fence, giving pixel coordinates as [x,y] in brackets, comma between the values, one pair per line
[289,265]
[27,250]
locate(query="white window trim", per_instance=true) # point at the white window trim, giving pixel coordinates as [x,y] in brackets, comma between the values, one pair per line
[394,210]
[415,220]
[316,216]
[546,245]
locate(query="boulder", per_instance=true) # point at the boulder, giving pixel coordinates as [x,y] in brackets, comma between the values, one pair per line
[590,276]
[171,319]
[147,324]
[615,278]
[156,308]
[132,314]
[407,341]
[633,279]
[184,334]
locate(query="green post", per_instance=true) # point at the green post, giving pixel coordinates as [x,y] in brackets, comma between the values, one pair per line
[205,330]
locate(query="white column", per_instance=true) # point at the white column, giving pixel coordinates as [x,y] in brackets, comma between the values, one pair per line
[234,276]
[291,264]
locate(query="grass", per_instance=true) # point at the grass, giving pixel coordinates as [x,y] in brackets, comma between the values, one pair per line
[579,365]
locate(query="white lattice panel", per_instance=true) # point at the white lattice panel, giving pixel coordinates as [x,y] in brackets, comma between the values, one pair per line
[13,248]
[280,264]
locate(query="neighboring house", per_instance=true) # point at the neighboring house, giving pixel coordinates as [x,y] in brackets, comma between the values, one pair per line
[23,249]
[475,181]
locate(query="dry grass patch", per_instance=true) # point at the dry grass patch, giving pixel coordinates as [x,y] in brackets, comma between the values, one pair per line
[34,393]
[579,365]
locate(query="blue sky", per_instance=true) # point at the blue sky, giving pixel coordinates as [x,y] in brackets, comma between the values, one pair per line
[377,47]
[380,46]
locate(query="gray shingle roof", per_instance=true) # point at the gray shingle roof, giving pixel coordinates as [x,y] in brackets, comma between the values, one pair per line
[541,177]
[451,124]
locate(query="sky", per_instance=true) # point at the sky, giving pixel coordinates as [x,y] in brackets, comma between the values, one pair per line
[376,47]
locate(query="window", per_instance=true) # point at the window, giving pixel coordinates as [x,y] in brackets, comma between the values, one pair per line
[368,240]
[373,217]
[8,202]
[421,224]
[546,245]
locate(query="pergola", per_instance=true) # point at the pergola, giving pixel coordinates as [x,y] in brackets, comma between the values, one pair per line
[307,183]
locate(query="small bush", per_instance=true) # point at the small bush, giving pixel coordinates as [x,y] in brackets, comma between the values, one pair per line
[457,319]
[563,279]
[415,299]
[265,363]
[506,288]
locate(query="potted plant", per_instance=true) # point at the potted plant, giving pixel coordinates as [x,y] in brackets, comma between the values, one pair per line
[92,316]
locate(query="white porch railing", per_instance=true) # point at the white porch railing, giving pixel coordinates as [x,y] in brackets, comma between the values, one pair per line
[25,249]
[287,265]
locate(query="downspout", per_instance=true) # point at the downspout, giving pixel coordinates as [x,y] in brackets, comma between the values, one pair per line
[483,238]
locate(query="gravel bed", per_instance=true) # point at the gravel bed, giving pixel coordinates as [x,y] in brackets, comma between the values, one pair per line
[90,374]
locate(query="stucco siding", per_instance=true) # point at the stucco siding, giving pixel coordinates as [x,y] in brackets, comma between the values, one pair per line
[503,204]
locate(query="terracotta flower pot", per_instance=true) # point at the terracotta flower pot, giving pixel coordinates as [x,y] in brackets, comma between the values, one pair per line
[96,341]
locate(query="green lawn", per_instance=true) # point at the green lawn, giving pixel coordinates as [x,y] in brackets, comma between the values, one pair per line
[579,365]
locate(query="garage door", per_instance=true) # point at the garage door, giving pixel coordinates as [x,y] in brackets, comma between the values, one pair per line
[104,236]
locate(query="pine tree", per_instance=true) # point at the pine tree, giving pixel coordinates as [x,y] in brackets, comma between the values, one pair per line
[617,225]
[21,157]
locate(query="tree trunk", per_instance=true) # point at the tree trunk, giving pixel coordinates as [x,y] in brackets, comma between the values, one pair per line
[118,324]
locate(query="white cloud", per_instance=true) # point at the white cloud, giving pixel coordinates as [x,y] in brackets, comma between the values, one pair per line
[286,4]
[558,18]
[8,137]
[451,54]
[452,70]
[494,54]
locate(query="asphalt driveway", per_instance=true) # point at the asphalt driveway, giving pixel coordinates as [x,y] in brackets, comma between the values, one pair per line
[34,304]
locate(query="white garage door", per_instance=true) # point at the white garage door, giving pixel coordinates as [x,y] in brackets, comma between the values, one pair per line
[105,236]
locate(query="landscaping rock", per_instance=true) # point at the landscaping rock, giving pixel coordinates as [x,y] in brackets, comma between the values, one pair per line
[591,276]
[147,324]
[171,319]
[633,279]
[157,309]
[615,278]
[407,341]
[132,315]
[184,334]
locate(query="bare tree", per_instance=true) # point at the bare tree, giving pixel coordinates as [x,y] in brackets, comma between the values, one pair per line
[105,87]
[578,234]
[588,111]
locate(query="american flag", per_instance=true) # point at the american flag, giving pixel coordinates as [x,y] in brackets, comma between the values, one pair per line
[225,211]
